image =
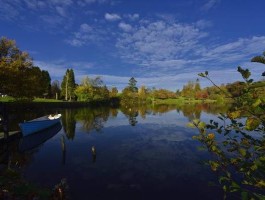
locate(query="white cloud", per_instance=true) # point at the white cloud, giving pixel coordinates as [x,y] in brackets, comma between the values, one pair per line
[243,48]
[201,24]
[133,17]
[88,2]
[52,20]
[159,42]
[209,4]
[125,27]
[9,11]
[85,28]
[61,11]
[60,2]
[112,17]
[174,53]
[86,35]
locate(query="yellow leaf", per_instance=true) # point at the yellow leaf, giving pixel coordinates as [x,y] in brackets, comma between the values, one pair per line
[257,103]
[252,123]
[234,115]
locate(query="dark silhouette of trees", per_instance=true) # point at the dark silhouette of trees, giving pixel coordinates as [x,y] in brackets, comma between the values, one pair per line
[19,78]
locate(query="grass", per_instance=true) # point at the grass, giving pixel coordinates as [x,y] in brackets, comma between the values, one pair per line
[11,99]
[6,99]
[46,100]
[182,100]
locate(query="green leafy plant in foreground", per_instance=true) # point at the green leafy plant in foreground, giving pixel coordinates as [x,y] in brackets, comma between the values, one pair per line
[239,155]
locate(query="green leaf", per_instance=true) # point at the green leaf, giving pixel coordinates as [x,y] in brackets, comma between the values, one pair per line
[201,75]
[244,195]
[235,185]
[257,103]
[252,123]
[191,125]
[245,73]
[201,125]
[243,152]
[234,115]
[214,165]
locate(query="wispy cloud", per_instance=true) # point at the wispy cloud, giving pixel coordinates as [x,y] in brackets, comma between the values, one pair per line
[164,47]
[112,17]
[8,10]
[87,35]
[210,4]
[125,27]
[89,2]
[157,43]
[132,17]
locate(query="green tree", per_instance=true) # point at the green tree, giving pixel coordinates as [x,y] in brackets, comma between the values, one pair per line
[92,90]
[55,89]
[84,91]
[132,85]
[197,86]
[18,77]
[68,85]
[46,83]
[142,93]
[188,90]
[113,92]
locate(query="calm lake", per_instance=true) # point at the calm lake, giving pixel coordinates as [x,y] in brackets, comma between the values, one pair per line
[141,153]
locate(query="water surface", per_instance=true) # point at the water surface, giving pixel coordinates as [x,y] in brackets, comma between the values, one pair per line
[141,153]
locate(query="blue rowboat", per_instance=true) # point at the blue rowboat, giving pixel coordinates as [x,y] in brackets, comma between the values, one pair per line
[39,124]
[33,141]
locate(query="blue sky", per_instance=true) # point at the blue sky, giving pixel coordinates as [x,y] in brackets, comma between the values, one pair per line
[162,43]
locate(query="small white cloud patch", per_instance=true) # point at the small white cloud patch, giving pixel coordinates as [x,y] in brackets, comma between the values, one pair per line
[125,27]
[112,17]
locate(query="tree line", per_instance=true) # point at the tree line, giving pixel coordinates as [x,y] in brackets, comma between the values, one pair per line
[20,79]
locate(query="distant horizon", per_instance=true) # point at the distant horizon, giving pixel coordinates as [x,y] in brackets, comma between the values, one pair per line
[160,44]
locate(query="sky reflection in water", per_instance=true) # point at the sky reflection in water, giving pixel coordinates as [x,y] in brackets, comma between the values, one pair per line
[139,155]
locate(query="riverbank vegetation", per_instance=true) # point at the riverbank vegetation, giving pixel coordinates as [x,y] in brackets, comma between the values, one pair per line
[239,157]
[18,73]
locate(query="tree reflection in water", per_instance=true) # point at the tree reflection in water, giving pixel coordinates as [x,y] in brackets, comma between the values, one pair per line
[69,122]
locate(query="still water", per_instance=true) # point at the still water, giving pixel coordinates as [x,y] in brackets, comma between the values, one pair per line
[140,153]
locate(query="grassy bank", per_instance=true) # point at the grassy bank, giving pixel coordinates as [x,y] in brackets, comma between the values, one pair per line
[11,99]
[183,101]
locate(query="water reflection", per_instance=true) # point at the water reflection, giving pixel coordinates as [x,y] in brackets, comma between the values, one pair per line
[63,147]
[19,152]
[95,118]
[132,113]
[69,122]
[35,140]
[142,151]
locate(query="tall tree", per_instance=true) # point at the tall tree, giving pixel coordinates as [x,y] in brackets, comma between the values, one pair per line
[68,85]
[71,85]
[132,85]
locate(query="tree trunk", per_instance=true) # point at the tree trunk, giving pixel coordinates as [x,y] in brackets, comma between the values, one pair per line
[66,87]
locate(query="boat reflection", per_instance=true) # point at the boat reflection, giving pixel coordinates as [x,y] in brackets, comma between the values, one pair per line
[32,141]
